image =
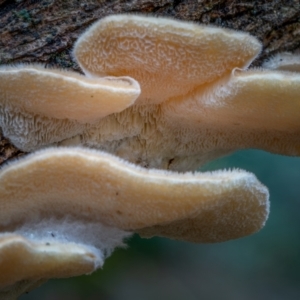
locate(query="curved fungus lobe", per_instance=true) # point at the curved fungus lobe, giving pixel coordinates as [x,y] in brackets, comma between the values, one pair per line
[254,108]
[167,57]
[58,94]
[83,183]
[26,264]
[41,106]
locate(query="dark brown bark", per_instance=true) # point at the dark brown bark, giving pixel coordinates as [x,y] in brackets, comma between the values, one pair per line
[44,31]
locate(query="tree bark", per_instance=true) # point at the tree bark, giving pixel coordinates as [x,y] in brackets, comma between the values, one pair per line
[44,31]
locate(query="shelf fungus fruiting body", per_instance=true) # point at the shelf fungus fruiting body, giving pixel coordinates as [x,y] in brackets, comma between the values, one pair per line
[158,99]
[105,199]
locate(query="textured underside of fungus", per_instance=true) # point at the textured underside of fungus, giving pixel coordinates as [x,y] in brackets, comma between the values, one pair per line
[160,94]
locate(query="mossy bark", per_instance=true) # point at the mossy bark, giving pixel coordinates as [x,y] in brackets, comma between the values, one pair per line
[44,31]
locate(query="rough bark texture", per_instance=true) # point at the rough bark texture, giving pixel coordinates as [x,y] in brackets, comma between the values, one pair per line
[43,31]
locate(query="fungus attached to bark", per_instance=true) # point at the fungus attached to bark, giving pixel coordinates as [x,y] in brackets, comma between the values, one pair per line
[167,57]
[193,101]
[198,101]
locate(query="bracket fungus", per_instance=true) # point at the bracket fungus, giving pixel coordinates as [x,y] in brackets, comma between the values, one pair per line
[159,97]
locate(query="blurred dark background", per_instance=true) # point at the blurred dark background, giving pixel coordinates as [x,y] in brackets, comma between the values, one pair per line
[265,265]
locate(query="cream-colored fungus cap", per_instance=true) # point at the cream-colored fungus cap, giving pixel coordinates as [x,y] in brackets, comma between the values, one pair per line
[200,101]
[58,94]
[254,108]
[24,263]
[41,106]
[99,187]
[167,57]
[63,210]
